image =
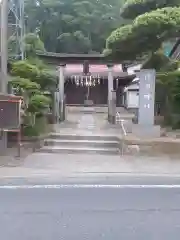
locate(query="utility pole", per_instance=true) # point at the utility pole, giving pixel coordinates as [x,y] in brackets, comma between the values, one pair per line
[4,45]
[3,61]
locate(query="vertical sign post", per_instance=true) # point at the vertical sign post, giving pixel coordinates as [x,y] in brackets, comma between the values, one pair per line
[145,126]
[147,79]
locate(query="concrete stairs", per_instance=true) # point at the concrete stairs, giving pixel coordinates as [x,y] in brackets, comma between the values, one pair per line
[69,143]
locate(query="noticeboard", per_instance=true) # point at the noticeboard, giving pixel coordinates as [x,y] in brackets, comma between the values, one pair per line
[10,114]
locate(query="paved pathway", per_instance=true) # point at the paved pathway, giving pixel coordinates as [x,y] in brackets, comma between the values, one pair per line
[87,121]
[83,166]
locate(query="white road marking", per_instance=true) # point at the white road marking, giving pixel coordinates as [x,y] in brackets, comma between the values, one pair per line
[78,186]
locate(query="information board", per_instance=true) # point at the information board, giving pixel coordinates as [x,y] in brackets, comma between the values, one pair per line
[9,114]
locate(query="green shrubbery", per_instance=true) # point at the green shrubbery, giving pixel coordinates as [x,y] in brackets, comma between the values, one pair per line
[30,79]
[153,22]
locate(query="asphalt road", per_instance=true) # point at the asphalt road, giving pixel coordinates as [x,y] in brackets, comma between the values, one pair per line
[90,213]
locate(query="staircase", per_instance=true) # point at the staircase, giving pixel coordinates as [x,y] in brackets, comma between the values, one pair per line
[68,143]
[89,134]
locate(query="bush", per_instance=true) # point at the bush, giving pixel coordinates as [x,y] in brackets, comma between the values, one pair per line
[39,104]
[40,127]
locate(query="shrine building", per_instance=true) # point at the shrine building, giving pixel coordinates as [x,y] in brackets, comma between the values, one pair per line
[89,78]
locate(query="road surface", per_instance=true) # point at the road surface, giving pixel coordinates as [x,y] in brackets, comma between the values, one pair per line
[87,197]
[90,212]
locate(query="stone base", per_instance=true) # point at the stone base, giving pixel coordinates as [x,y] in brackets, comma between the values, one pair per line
[146,131]
[112,119]
[62,111]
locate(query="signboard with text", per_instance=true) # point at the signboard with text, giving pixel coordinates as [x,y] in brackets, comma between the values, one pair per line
[147,79]
[9,115]
[10,112]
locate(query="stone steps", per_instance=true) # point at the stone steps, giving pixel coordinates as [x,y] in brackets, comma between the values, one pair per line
[73,149]
[92,137]
[82,143]
[75,143]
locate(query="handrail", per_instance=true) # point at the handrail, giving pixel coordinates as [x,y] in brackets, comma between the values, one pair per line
[122,121]
[123,130]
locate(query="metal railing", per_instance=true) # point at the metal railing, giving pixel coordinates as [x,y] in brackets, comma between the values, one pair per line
[121,121]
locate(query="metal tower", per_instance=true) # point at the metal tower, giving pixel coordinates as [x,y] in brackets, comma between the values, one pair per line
[16,29]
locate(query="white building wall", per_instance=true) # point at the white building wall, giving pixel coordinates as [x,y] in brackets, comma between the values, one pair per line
[131,70]
[132,99]
[131,96]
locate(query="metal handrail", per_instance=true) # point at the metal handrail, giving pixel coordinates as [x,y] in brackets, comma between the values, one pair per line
[123,128]
[122,122]
[118,119]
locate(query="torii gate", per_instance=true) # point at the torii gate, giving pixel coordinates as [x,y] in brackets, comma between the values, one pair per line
[95,62]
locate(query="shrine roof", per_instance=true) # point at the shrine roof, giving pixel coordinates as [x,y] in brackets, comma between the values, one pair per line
[72,58]
[71,55]
[74,64]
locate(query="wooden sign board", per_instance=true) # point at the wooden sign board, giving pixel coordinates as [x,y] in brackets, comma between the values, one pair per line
[10,109]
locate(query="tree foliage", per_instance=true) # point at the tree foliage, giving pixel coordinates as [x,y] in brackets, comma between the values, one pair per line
[23,84]
[30,82]
[147,31]
[73,26]
[43,77]
[134,8]
[24,70]
[32,43]
[30,78]
[35,101]
[39,104]
[161,63]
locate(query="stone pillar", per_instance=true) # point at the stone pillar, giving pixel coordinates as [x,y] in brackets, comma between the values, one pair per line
[3,142]
[112,108]
[56,106]
[61,93]
[110,89]
[145,126]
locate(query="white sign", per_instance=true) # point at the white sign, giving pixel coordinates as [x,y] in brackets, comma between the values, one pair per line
[147,79]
